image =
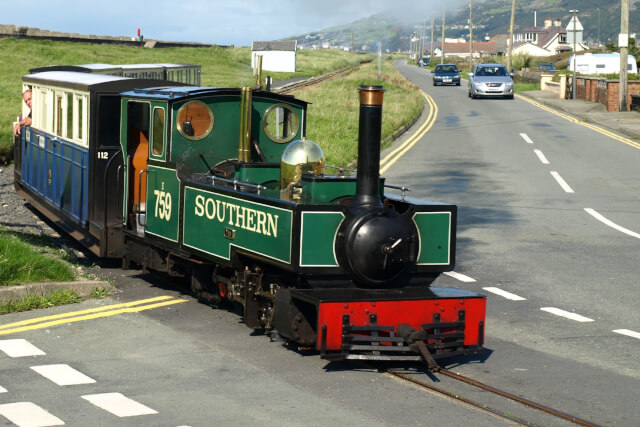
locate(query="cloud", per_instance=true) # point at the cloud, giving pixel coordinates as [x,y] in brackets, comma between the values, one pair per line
[211,21]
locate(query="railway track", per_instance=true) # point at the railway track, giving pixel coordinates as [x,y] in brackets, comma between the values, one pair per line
[555,413]
[315,80]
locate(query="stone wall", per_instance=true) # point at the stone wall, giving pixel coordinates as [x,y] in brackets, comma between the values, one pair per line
[21,32]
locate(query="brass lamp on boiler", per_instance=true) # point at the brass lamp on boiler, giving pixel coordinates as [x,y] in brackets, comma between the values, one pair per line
[300,157]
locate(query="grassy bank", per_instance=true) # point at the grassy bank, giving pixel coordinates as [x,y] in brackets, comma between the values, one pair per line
[26,258]
[333,114]
[220,67]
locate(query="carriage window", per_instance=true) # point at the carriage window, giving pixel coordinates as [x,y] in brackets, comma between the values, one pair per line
[158,132]
[195,120]
[281,123]
[69,126]
[59,116]
[80,116]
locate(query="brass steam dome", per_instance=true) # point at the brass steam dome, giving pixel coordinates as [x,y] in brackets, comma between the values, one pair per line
[298,158]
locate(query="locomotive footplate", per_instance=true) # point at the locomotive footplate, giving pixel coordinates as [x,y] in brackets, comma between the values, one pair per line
[407,324]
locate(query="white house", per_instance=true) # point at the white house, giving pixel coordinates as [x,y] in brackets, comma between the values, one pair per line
[550,39]
[276,55]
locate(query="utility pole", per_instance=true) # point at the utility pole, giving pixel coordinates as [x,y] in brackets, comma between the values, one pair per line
[513,21]
[575,54]
[623,43]
[598,27]
[444,10]
[470,35]
[352,41]
[433,27]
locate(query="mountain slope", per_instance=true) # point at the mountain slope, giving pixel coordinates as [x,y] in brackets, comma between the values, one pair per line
[600,18]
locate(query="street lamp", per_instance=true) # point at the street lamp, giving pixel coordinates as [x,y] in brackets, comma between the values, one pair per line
[575,56]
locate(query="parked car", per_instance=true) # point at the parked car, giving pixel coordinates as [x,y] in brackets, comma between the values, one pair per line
[490,80]
[547,67]
[446,74]
[423,61]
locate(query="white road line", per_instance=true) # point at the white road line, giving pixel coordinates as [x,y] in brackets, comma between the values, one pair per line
[63,374]
[541,156]
[27,414]
[628,333]
[460,277]
[504,294]
[567,314]
[562,182]
[611,224]
[119,405]
[20,348]
[2,389]
[526,138]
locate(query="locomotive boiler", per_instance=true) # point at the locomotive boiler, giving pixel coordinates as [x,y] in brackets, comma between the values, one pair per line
[221,185]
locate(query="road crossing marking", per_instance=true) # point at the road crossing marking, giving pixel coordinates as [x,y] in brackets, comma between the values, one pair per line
[611,224]
[541,156]
[526,138]
[504,294]
[628,333]
[396,154]
[27,414]
[459,276]
[62,374]
[20,348]
[567,314]
[561,182]
[94,313]
[119,405]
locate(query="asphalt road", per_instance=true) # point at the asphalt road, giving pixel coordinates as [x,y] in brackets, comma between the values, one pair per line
[529,185]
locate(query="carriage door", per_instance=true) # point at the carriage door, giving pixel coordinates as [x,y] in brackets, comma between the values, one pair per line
[138,115]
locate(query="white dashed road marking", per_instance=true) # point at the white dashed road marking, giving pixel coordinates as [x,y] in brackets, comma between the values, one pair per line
[63,374]
[119,404]
[2,389]
[541,156]
[526,138]
[561,182]
[20,348]
[27,414]
[628,333]
[460,277]
[611,224]
[567,314]
[504,294]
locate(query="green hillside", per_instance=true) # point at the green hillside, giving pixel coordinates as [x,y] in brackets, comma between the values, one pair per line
[600,18]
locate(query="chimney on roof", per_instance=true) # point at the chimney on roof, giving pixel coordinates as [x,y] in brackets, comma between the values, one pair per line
[557,23]
[547,23]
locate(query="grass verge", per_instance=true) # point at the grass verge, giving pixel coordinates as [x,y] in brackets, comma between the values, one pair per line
[25,258]
[34,302]
[334,110]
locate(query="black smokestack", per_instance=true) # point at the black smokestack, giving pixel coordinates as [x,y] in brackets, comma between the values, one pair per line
[367,186]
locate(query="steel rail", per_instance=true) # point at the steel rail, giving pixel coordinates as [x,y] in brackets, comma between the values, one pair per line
[526,402]
[519,399]
[460,398]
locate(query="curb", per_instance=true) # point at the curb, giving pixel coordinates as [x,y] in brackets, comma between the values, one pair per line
[45,289]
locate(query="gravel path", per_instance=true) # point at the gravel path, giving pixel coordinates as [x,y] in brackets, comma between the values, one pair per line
[15,214]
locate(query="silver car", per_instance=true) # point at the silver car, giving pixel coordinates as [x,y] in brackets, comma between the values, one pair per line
[490,80]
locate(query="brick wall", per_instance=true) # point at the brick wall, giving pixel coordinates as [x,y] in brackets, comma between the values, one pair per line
[604,91]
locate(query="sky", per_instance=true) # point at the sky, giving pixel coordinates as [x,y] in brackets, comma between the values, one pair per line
[237,22]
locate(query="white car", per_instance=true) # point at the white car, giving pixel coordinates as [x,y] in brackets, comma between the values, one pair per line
[490,80]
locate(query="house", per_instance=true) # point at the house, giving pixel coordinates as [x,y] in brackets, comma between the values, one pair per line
[549,39]
[276,55]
